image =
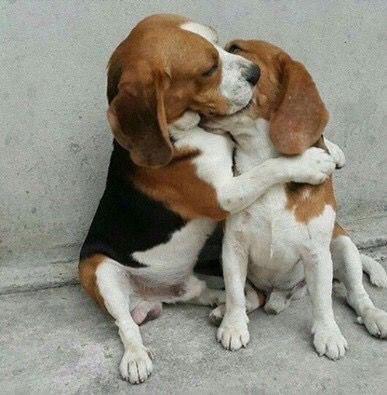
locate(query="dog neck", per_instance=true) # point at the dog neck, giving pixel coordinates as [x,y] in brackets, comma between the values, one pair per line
[253,144]
[187,124]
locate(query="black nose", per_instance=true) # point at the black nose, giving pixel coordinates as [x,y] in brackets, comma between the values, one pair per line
[253,74]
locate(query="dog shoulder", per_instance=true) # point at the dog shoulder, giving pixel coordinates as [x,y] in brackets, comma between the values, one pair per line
[188,184]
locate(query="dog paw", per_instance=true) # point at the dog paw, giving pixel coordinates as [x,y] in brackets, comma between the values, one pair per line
[379,280]
[314,166]
[375,270]
[375,320]
[233,332]
[329,341]
[216,315]
[336,152]
[187,121]
[277,302]
[136,365]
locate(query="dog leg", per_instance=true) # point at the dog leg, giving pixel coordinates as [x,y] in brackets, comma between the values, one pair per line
[233,332]
[375,271]
[328,339]
[254,300]
[279,299]
[114,287]
[348,265]
[209,297]
[197,292]
[313,167]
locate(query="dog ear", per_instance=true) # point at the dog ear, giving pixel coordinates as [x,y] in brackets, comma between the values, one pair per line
[235,46]
[301,116]
[138,120]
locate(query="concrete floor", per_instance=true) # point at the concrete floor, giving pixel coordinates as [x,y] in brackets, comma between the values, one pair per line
[57,341]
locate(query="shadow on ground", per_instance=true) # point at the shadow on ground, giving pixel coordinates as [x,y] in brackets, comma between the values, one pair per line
[57,341]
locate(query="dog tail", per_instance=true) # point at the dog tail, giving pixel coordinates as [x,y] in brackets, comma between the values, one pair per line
[375,271]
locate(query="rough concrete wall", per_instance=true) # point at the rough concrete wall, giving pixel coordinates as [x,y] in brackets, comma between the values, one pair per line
[54,140]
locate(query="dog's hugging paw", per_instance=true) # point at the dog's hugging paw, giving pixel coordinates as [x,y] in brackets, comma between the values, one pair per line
[336,152]
[136,365]
[329,341]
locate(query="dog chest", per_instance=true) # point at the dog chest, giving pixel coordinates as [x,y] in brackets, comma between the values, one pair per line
[272,233]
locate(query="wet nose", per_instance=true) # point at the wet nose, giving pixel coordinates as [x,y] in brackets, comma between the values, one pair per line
[253,74]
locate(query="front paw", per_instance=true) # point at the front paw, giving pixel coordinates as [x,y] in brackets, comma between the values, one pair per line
[329,341]
[375,320]
[314,166]
[187,121]
[217,314]
[336,152]
[233,332]
[136,365]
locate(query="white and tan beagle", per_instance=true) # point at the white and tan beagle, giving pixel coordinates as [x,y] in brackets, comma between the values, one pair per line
[287,236]
[169,181]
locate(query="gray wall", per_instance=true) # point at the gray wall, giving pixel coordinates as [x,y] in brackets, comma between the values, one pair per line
[54,140]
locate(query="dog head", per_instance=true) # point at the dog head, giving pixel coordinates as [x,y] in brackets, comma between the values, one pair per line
[166,66]
[285,95]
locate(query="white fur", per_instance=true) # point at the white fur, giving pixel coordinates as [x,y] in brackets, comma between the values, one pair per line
[279,299]
[114,287]
[120,296]
[336,152]
[214,165]
[206,32]
[268,245]
[348,269]
[267,235]
[234,85]
[375,271]
[172,262]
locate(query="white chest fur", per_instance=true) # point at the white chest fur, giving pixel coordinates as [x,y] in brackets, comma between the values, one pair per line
[214,162]
[274,237]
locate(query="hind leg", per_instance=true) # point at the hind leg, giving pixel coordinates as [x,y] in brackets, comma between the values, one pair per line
[348,269]
[197,292]
[370,266]
[254,300]
[375,271]
[109,285]
[279,299]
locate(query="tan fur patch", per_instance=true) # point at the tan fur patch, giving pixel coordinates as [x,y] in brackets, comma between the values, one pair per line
[87,269]
[309,201]
[285,95]
[338,231]
[179,188]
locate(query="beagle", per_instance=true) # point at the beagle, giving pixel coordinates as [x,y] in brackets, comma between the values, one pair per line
[286,237]
[170,182]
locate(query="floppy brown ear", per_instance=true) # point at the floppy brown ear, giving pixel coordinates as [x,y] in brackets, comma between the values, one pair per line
[234,46]
[301,116]
[138,121]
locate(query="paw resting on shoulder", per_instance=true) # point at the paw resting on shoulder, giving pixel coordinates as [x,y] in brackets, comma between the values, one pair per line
[314,166]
